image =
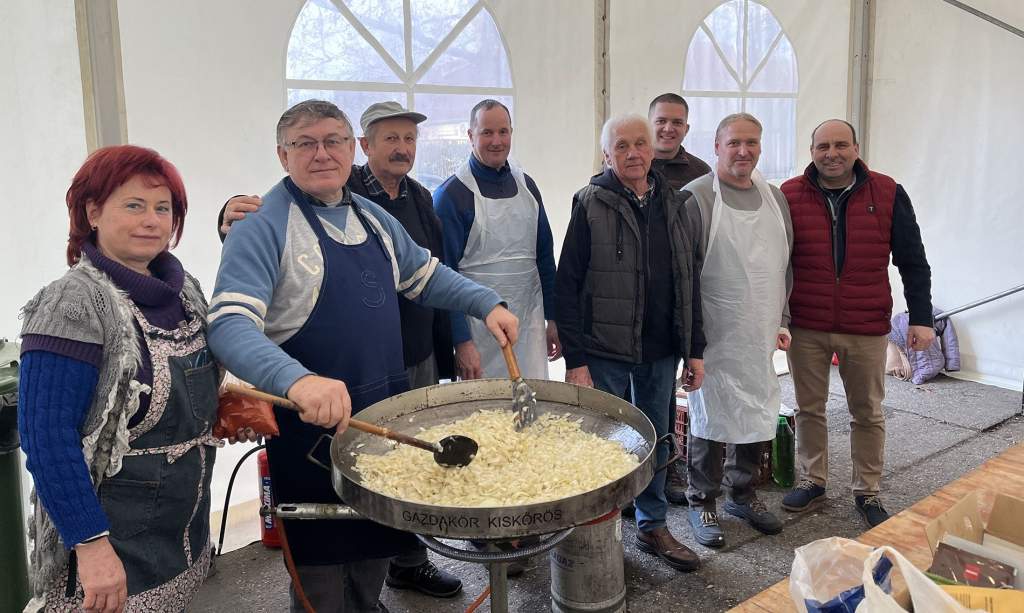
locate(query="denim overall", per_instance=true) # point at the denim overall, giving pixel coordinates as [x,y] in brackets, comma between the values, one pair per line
[354,335]
[158,503]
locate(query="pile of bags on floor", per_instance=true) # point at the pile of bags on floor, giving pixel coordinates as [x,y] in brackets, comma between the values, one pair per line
[920,366]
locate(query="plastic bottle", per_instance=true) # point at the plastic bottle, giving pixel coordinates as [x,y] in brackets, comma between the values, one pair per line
[783,454]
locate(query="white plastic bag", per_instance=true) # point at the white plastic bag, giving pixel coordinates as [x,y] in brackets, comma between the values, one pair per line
[924,593]
[824,569]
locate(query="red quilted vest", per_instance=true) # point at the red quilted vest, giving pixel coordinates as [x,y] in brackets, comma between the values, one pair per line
[860,300]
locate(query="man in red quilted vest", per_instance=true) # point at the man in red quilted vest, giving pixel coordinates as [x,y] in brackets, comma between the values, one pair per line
[847,220]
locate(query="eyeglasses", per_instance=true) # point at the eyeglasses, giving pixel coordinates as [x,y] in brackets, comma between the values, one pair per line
[308,146]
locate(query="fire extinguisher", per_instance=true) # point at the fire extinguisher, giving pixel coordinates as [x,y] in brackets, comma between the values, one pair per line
[268,529]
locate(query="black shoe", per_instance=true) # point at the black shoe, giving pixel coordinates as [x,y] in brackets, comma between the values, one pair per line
[805,496]
[675,483]
[871,509]
[756,514]
[425,578]
[706,529]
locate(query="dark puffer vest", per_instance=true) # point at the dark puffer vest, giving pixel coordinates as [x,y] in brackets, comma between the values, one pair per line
[608,310]
[859,299]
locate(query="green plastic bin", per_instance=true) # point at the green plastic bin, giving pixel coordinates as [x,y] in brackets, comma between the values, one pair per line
[14,589]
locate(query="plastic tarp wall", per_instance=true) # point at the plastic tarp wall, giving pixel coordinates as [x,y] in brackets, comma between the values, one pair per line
[650,38]
[43,127]
[44,131]
[207,91]
[946,123]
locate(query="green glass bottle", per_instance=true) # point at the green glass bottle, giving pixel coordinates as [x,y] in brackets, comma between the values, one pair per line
[783,453]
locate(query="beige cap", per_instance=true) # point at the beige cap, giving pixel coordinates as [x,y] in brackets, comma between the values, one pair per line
[388,110]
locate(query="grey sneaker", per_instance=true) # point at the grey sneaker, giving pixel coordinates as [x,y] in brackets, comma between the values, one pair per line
[803,497]
[706,529]
[756,514]
[871,509]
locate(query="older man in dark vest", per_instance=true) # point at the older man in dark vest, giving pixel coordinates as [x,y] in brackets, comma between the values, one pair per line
[628,301]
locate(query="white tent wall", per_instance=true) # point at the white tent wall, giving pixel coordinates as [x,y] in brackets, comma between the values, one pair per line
[945,122]
[44,131]
[206,92]
[649,40]
[44,144]
[204,85]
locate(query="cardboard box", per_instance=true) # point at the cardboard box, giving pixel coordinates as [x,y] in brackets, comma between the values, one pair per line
[1005,523]
[986,599]
[963,519]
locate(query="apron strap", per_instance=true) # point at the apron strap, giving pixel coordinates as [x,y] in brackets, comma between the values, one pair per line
[318,228]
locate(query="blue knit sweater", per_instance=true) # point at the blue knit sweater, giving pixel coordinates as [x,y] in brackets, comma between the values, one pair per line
[53,397]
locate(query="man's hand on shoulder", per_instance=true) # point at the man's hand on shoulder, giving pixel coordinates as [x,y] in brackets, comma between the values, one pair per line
[323,402]
[237,208]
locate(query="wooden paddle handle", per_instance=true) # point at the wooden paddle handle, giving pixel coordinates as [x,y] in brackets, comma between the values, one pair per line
[354,423]
[258,395]
[510,359]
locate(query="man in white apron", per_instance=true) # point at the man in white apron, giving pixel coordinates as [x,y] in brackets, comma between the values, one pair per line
[497,234]
[745,283]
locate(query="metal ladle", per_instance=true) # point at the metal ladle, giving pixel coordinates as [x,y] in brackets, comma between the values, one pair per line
[454,450]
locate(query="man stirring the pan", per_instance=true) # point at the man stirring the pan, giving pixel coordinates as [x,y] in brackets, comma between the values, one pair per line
[309,284]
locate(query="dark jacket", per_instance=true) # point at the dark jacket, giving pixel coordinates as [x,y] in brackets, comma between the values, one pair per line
[627,270]
[442,326]
[841,254]
[681,169]
[441,330]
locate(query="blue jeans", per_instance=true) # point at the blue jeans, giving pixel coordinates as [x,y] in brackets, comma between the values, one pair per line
[650,386]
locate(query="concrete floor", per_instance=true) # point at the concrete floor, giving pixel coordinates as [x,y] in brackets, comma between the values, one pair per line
[935,433]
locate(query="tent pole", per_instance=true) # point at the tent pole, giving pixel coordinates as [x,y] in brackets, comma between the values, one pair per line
[99,55]
[602,94]
[862,28]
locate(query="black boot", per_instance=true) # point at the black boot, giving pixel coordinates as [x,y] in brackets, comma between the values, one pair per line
[675,483]
[425,578]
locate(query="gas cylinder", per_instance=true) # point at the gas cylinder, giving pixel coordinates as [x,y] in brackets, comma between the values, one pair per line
[268,529]
[587,569]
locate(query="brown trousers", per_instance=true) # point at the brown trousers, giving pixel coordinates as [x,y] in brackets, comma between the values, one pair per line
[862,369]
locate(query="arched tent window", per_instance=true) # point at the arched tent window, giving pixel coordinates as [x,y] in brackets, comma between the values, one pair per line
[438,57]
[740,60]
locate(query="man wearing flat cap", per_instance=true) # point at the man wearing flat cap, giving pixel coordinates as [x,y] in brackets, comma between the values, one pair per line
[389,142]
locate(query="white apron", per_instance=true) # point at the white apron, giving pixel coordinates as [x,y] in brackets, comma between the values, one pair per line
[743,292]
[501,253]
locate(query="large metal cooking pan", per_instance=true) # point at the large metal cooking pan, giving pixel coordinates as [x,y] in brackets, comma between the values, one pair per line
[603,414]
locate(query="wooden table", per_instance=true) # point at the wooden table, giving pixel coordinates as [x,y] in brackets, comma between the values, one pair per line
[905,531]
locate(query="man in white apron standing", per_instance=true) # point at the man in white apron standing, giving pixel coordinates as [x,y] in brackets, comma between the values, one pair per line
[745,283]
[497,234]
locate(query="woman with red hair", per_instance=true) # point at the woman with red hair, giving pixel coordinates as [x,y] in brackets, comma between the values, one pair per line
[118,394]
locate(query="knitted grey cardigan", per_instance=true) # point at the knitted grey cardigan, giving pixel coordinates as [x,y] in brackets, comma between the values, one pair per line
[86,306]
